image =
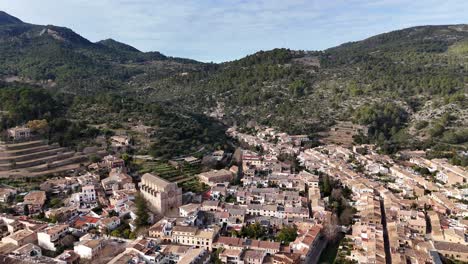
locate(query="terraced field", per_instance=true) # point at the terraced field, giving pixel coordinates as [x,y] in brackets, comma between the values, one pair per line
[36,158]
[185,176]
[168,172]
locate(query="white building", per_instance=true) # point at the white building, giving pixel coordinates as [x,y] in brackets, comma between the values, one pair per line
[49,237]
[86,196]
[89,249]
[19,133]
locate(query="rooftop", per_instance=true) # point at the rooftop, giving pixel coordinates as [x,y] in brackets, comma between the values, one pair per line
[35,197]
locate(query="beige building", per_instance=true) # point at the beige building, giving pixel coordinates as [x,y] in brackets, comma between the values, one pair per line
[216,176]
[192,236]
[161,194]
[452,250]
[21,237]
[18,133]
[418,225]
[35,201]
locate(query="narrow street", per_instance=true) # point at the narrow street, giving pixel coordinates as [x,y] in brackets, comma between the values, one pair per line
[388,256]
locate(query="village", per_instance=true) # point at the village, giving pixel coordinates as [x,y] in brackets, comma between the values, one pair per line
[275,199]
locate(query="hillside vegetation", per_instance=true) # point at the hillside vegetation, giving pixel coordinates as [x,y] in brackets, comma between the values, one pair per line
[409,86]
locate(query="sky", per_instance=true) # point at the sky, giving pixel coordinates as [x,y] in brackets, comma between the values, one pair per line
[224,30]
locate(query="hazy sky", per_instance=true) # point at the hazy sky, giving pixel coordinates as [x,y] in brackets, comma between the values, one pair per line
[221,30]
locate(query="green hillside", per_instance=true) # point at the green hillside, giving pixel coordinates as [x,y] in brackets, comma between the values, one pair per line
[409,86]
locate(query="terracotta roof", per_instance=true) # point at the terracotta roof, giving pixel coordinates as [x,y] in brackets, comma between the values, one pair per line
[447,246]
[187,229]
[252,243]
[254,254]
[83,220]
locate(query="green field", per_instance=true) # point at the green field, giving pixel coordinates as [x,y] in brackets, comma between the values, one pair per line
[184,176]
[168,172]
[24,184]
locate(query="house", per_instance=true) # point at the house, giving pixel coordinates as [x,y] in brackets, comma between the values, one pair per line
[112,162]
[62,214]
[189,209]
[231,256]
[218,155]
[28,250]
[35,200]
[452,250]
[311,180]
[6,194]
[450,178]
[216,176]
[21,237]
[195,256]
[192,236]
[240,243]
[192,160]
[210,205]
[252,256]
[89,249]
[118,179]
[306,242]
[287,258]
[83,223]
[19,133]
[29,253]
[59,185]
[217,192]
[49,237]
[109,223]
[162,230]
[140,251]
[120,141]
[14,224]
[86,196]
[122,200]
[69,256]
[418,225]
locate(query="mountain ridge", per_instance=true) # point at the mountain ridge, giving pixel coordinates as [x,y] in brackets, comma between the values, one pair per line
[408,72]
[6,18]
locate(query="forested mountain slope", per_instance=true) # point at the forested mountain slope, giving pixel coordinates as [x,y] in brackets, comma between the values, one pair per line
[409,86]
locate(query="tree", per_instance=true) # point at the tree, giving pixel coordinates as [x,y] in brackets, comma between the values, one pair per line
[297,88]
[115,233]
[346,217]
[330,228]
[230,199]
[53,219]
[326,186]
[40,126]
[56,202]
[215,256]
[336,194]
[126,233]
[287,234]
[126,158]
[142,211]
[254,231]
[26,209]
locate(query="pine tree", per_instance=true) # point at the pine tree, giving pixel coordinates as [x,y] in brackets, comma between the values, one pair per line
[142,211]
[26,209]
